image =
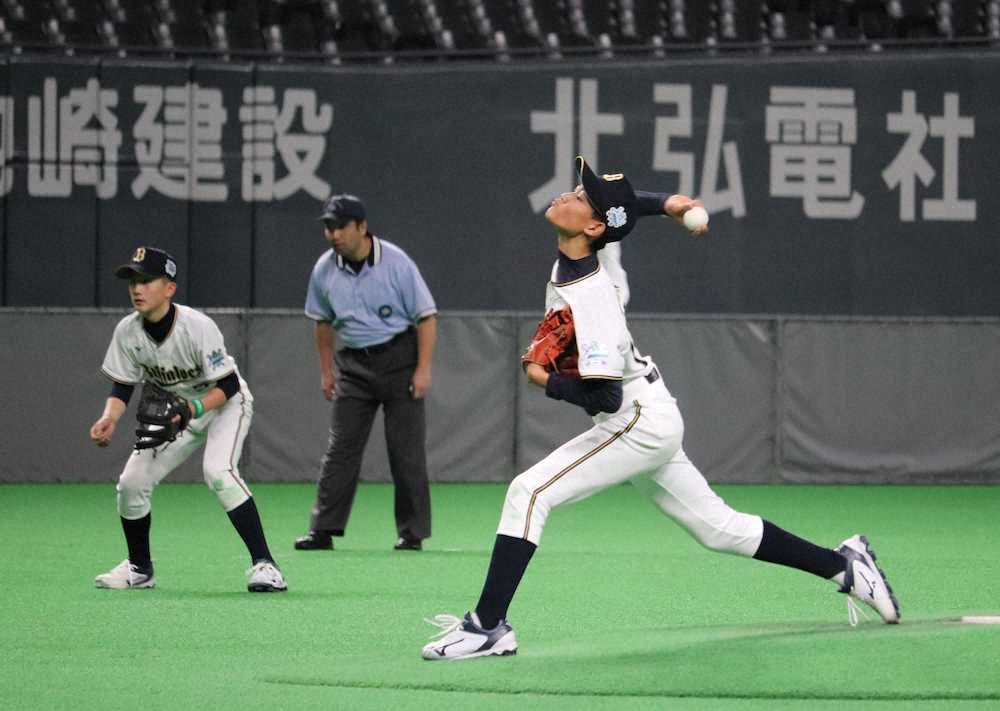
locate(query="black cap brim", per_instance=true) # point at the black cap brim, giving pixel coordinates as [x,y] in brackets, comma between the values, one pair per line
[127,271]
[340,221]
[591,185]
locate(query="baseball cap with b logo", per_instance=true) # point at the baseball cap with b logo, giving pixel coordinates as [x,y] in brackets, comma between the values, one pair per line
[149,262]
[613,200]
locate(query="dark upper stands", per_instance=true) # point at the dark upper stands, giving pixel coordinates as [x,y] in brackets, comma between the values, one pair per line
[395,30]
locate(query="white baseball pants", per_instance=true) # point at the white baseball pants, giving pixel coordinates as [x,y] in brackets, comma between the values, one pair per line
[642,443]
[222,431]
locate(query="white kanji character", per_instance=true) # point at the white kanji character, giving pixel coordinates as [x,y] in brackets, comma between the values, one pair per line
[6,144]
[910,164]
[268,132]
[716,152]
[666,127]
[180,155]
[593,124]
[811,132]
[77,142]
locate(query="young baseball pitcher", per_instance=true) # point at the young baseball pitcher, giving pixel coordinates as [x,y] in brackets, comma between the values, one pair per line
[193,395]
[583,354]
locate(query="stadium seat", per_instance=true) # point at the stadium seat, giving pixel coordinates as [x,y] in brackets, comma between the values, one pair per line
[26,21]
[519,29]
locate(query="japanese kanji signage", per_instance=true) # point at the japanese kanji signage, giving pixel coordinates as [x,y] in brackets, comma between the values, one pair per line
[857,184]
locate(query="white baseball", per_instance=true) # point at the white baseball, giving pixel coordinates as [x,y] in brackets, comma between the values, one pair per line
[695,217]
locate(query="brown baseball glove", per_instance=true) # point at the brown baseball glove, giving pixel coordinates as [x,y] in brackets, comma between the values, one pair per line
[554,344]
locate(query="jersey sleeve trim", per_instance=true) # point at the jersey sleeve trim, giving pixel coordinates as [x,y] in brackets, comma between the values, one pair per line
[425,314]
[318,317]
[600,377]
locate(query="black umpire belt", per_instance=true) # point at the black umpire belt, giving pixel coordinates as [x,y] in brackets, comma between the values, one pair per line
[652,376]
[379,347]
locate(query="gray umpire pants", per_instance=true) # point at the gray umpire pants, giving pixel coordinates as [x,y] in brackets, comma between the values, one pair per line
[368,378]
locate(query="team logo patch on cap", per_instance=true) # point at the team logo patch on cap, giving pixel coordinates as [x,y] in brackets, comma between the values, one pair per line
[139,255]
[616,217]
[170,268]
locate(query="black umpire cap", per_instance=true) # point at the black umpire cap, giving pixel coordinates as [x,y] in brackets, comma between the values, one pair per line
[149,262]
[341,209]
[612,198]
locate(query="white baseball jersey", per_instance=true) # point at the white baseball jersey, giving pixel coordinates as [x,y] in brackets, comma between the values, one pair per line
[641,442]
[189,362]
[611,259]
[602,336]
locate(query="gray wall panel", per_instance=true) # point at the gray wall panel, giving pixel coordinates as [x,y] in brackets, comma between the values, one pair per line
[51,361]
[53,391]
[890,401]
[469,412]
[291,418]
[861,401]
[722,373]
[6,173]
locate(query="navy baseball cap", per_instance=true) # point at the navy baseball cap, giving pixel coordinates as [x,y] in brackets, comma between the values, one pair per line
[612,198]
[149,262]
[343,208]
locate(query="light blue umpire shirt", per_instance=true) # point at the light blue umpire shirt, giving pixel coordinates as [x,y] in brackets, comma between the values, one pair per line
[371,307]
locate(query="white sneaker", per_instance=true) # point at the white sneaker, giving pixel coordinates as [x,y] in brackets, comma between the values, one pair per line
[124,576]
[264,576]
[466,638]
[865,581]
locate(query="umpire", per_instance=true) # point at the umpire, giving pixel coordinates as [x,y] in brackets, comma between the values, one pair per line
[369,294]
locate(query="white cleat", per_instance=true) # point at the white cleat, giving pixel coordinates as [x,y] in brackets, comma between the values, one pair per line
[124,576]
[466,638]
[264,576]
[865,581]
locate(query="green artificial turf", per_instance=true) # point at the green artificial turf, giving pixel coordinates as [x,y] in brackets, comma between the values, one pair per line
[619,609]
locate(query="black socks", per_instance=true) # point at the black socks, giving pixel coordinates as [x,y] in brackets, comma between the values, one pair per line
[246,520]
[783,548]
[137,540]
[510,559]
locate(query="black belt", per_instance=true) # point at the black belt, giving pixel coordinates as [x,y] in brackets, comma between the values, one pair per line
[378,347]
[653,376]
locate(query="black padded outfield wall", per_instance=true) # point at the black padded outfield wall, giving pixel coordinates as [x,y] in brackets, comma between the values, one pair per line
[854,185]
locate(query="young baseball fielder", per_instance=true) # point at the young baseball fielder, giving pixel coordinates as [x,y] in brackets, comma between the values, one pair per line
[179,355]
[637,432]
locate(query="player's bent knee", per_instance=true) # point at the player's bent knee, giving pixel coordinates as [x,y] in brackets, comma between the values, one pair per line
[228,486]
[520,510]
[518,497]
[737,533]
[133,499]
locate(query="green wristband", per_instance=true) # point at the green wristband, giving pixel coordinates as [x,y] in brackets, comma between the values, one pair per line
[199,408]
